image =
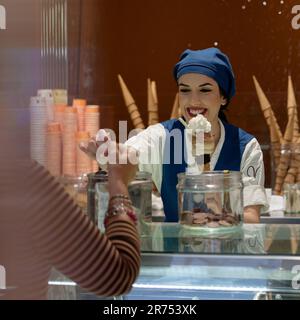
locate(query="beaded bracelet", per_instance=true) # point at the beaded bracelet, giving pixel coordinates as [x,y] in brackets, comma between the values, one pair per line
[116,201]
[120,204]
[119,196]
[130,214]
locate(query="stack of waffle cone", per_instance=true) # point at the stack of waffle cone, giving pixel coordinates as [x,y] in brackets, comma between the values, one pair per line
[69,143]
[292,108]
[298,159]
[154,92]
[275,141]
[131,106]
[267,109]
[285,158]
[92,126]
[80,105]
[175,110]
[83,161]
[54,148]
[294,171]
[152,105]
[293,174]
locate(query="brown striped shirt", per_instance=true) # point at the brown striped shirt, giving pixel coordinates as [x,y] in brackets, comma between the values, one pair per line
[41,227]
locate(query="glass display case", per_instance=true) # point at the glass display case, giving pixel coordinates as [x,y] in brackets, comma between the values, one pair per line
[259,261]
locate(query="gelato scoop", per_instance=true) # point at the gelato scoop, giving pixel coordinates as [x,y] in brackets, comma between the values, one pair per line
[199,124]
[205,142]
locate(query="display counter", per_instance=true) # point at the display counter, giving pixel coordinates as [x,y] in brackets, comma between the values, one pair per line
[258,261]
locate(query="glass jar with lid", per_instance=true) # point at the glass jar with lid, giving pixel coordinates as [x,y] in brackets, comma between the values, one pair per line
[76,186]
[211,201]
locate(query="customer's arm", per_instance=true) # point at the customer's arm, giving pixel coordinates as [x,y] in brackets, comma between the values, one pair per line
[105,264]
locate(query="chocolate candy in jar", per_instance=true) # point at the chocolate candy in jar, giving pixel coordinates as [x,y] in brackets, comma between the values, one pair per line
[211,201]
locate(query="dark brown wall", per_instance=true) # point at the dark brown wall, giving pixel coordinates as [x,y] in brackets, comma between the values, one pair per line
[20,63]
[20,52]
[141,39]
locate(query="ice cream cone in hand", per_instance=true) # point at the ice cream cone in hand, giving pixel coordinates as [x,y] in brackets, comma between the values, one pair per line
[203,141]
[131,106]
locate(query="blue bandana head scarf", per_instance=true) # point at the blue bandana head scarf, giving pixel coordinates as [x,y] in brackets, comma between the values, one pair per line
[210,62]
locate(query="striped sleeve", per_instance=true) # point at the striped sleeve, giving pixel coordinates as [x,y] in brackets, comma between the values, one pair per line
[105,264]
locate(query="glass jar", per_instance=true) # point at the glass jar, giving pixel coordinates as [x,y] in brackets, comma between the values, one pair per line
[291,196]
[211,201]
[285,172]
[77,189]
[140,192]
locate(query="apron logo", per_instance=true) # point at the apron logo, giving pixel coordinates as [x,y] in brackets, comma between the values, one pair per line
[2,18]
[296,278]
[296,19]
[2,277]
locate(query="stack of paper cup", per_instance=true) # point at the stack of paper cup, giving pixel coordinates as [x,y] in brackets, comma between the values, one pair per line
[48,95]
[83,162]
[69,143]
[92,125]
[80,105]
[54,145]
[38,124]
[60,96]
[59,110]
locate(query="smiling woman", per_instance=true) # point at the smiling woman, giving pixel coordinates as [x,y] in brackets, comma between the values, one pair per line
[206,85]
[199,94]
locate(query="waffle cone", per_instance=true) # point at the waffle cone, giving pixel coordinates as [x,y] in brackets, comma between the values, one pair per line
[152,106]
[266,108]
[274,135]
[289,131]
[281,173]
[292,107]
[175,109]
[131,106]
[154,92]
[275,141]
[276,154]
[298,176]
[291,175]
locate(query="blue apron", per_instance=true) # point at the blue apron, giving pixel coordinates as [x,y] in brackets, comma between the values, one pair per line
[174,161]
